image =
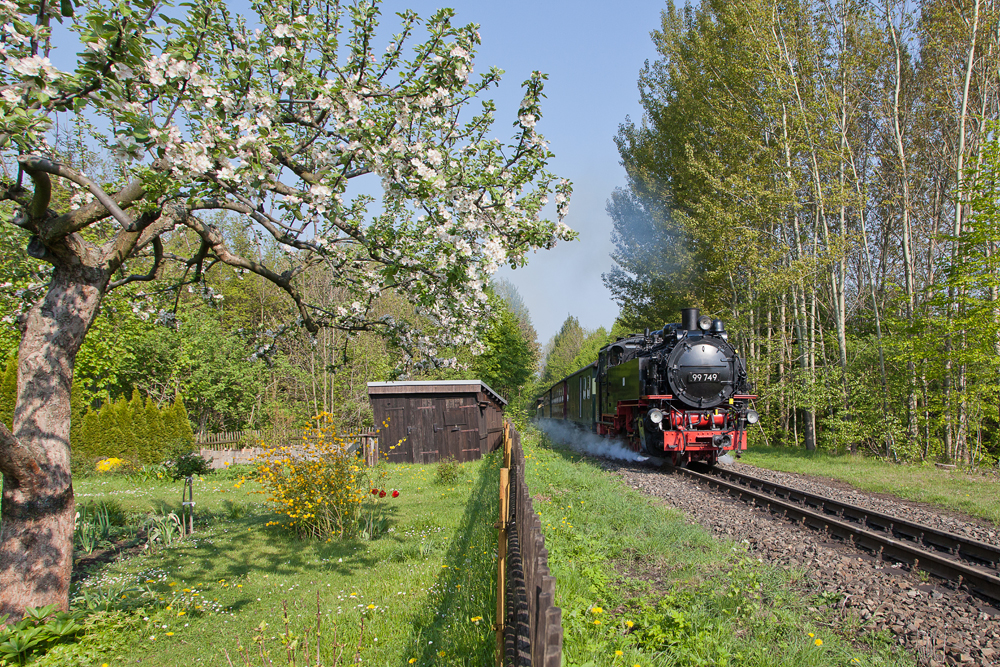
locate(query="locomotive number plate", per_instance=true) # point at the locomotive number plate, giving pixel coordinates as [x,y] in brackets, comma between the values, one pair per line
[702,377]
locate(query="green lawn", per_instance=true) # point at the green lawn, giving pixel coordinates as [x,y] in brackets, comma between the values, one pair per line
[976,493]
[638,585]
[223,591]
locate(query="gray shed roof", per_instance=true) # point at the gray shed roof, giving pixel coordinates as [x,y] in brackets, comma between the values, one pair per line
[434,387]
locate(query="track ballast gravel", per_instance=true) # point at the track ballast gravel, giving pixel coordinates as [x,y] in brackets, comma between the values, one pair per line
[935,622]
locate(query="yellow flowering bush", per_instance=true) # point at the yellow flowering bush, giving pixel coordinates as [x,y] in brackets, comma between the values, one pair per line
[110,465]
[318,484]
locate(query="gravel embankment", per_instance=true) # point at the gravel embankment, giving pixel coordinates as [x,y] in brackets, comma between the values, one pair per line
[939,625]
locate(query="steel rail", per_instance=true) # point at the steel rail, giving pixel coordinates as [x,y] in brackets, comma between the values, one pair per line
[972,577]
[923,535]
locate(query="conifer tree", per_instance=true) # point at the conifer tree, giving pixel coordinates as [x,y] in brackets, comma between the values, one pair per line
[121,438]
[88,446]
[184,431]
[140,437]
[154,431]
[105,435]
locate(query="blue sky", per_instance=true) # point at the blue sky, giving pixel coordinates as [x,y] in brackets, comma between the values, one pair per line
[592,52]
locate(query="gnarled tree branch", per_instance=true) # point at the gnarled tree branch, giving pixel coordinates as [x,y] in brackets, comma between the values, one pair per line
[153,272]
[38,166]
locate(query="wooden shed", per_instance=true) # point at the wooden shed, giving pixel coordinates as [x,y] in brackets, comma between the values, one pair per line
[432,420]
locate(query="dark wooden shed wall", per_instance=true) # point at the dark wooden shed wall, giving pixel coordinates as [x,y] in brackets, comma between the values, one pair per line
[428,423]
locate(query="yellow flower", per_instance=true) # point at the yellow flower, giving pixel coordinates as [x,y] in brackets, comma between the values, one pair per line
[371,606]
[181,613]
[596,610]
[170,634]
[819,642]
[629,623]
[619,653]
[441,654]
[811,634]
[596,622]
[412,660]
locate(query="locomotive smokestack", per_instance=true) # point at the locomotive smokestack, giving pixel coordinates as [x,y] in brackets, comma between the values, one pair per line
[689,319]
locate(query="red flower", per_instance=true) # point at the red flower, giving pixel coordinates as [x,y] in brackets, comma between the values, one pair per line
[374,492]
[395,494]
[381,494]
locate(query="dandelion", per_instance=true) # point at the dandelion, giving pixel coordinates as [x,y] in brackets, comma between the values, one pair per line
[629,624]
[819,642]
[170,634]
[440,654]
[619,653]
[412,660]
[596,610]
[811,634]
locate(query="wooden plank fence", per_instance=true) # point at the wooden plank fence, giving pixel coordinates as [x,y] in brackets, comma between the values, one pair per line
[530,625]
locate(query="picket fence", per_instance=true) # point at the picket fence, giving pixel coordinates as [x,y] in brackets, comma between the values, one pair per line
[529,627]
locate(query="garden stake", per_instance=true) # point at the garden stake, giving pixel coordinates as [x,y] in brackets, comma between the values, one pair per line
[187,506]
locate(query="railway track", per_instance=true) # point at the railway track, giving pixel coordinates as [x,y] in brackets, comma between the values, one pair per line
[970,563]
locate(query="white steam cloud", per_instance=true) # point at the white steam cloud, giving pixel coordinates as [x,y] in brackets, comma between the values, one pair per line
[585,442]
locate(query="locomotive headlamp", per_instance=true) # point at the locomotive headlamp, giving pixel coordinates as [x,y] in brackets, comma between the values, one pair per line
[704,322]
[752,417]
[655,415]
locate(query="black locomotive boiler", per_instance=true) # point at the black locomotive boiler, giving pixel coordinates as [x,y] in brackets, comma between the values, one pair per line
[680,393]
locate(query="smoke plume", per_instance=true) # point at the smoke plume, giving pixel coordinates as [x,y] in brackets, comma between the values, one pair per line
[591,444]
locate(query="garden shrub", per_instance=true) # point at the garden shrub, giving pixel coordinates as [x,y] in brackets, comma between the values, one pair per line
[189,464]
[447,471]
[319,485]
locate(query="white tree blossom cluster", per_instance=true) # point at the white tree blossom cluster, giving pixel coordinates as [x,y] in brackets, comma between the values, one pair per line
[274,122]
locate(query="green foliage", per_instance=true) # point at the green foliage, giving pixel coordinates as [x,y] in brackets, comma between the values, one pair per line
[8,389]
[447,471]
[564,347]
[508,361]
[37,632]
[163,529]
[189,464]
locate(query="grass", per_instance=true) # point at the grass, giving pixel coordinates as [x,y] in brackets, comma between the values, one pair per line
[222,593]
[638,585]
[976,493]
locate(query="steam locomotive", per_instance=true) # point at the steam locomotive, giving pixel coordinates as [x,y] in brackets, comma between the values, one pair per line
[680,393]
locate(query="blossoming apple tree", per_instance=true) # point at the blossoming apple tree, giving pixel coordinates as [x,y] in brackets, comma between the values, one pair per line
[269,117]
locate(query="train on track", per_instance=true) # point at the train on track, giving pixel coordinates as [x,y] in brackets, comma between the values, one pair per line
[680,393]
